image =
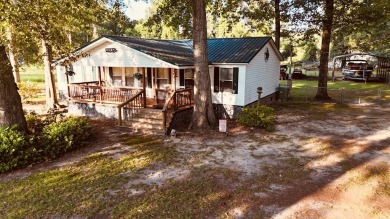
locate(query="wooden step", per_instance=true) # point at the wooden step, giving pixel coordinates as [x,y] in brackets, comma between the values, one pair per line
[145,120]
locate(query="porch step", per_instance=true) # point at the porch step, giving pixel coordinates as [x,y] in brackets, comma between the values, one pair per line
[147,121]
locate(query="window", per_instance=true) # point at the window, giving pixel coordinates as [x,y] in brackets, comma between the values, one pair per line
[226,79]
[163,78]
[117,76]
[189,78]
[129,76]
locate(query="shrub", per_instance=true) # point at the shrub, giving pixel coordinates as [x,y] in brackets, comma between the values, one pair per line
[15,148]
[50,139]
[65,135]
[258,116]
[36,123]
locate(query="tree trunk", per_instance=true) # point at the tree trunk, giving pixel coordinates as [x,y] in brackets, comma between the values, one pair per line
[277,23]
[203,117]
[51,95]
[95,34]
[327,23]
[11,110]
[12,55]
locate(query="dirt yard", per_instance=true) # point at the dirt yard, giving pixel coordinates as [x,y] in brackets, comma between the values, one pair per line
[322,161]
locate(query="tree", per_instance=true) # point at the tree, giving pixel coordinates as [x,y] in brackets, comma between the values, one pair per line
[203,116]
[11,110]
[310,52]
[327,23]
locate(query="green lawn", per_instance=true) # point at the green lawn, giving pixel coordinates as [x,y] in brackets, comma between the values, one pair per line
[352,91]
[33,73]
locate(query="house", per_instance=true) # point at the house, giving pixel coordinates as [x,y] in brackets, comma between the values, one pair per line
[112,70]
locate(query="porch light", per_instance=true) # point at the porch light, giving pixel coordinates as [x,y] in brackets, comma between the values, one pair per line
[266,55]
[70,73]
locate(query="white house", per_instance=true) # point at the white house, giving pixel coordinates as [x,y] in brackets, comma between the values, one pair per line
[124,66]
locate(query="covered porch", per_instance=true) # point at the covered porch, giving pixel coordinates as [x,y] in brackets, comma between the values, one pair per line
[133,88]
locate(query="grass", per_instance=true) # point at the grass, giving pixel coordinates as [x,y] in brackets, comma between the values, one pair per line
[352,91]
[82,188]
[33,73]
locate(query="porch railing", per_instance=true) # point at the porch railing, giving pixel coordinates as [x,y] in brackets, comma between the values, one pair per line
[179,99]
[131,106]
[92,93]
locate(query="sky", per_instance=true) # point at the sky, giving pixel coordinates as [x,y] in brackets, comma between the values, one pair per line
[136,10]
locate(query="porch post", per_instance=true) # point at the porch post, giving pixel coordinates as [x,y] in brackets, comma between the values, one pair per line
[99,75]
[145,71]
[67,85]
[154,83]
[174,78]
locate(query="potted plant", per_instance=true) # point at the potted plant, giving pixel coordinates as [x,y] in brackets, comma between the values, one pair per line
[137,75]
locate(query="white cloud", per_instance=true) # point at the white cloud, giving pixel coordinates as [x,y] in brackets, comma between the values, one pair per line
[136,10]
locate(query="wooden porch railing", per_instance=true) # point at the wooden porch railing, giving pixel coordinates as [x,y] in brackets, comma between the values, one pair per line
[180,99]
[92,93]
[131,106]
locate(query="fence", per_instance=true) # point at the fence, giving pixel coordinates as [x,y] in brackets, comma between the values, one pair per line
[344,95]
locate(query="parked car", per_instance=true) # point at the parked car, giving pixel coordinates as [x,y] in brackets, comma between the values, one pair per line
[283,72]
[357,69]
[297,73]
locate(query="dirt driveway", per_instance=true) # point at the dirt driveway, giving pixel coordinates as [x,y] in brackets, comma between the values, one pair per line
[323,161]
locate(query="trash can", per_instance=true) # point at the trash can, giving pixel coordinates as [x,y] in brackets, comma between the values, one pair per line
[284,92]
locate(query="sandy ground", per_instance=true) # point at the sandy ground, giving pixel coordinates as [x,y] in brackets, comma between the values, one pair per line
[317,163]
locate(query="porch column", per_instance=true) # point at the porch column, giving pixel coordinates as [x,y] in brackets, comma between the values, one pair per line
[99,75]
[123,76]
[154,83]
[145,71]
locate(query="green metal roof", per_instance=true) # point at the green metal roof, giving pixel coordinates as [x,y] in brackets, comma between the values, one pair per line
[180,52]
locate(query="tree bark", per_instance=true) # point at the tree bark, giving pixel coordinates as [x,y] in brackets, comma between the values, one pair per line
[277,23]
[327,23]
[95,34]
[51,95]
[11,110]
[203,117]
[12,55]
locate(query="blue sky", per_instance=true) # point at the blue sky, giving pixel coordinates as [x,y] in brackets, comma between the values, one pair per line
[136,10]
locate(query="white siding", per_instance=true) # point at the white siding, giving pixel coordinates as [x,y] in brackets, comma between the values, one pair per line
[262,74]
[61,78]
[124,57]
[227,97]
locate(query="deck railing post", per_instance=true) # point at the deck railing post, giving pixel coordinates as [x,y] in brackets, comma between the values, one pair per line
[164,117]
[120,115]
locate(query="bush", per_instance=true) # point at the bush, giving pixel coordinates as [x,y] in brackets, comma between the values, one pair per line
[50,139]
[15,149]
[258,116]
[66,135]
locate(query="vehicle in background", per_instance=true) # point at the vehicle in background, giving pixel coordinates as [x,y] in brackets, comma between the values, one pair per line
[297,73]
[357,70]
[283,72]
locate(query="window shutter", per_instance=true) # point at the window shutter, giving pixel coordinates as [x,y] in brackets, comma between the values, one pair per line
[149,74]
[216,79]
[169,76]
[181,77]
[235,80]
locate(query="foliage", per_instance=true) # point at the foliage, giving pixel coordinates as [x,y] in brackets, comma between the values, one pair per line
[310,52]
[28,90]
[49,138]
[62,136]
[258,116]
[15,148]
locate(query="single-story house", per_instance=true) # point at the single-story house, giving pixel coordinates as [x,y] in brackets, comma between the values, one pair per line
[125,66]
